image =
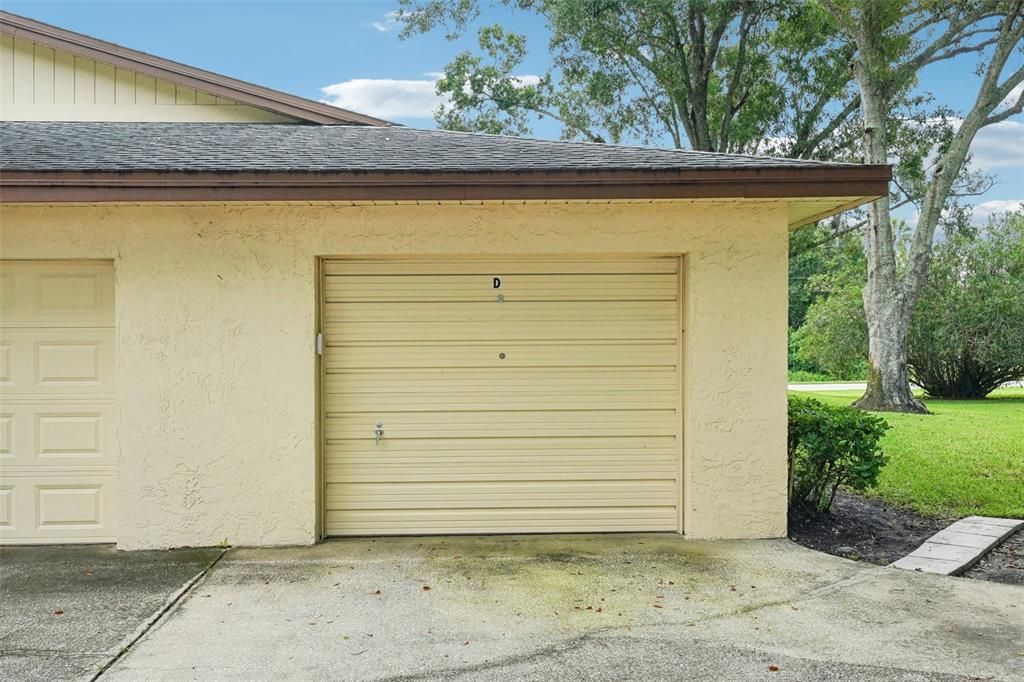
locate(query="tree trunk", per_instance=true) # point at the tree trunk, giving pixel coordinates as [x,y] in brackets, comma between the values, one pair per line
[888,382]
[889,298]
[885,300]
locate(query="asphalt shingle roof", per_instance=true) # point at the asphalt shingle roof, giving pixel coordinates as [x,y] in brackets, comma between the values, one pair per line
[243,147]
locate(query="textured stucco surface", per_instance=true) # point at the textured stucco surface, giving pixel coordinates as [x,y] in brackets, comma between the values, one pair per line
[216,316]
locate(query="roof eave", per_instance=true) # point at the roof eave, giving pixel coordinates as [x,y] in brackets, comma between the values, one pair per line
[862,182]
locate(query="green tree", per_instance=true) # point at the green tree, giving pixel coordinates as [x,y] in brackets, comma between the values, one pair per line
[835,336]
[832,337]
[823,258]
[743,76]
[894,40]
[966,336]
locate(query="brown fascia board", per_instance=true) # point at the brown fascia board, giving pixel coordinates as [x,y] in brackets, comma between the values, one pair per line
[231,88]
[869,182]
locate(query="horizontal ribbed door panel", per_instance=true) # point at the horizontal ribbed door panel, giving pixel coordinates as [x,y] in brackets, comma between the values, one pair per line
[515,396]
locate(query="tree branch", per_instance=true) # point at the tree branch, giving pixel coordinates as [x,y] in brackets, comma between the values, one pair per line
[990,94]
[811,145]
[728,112]
[959,50]
[1014,109]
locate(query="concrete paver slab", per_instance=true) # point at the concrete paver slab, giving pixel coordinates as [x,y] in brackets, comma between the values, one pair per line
[980,529]
[994,521]
[956,548]
[581,607]
[926,565]
[66,610]
[933,550]
[952,537]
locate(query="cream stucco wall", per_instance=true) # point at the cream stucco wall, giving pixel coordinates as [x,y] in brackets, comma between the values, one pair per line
[216,316]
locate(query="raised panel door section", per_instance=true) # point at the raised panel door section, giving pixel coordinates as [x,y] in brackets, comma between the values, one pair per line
[58,407]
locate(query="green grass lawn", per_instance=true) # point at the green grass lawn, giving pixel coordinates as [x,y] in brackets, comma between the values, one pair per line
[966,458]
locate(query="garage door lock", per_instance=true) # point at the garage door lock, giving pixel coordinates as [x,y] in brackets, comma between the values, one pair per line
[378,433]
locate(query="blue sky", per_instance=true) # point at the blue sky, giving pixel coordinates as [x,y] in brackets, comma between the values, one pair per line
[302,47]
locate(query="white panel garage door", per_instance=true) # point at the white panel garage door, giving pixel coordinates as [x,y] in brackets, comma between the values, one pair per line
[57,402]
[513,396]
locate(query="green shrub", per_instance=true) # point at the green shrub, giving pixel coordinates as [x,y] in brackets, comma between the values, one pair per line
[799,376]
[967,333]
[797,363]
[830,446]
[835,336]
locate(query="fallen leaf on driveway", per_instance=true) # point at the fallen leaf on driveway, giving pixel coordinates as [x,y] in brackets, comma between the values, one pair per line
[377,592]
[426,588]
[772,668]
[657,606]
[58,612]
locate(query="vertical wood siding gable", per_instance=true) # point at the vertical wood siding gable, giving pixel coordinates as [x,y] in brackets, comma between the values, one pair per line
[40,83]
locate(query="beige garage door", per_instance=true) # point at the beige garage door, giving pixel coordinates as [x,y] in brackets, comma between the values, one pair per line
[57,404]
[512,396]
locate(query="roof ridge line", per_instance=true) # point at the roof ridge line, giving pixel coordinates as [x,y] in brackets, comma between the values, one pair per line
[634,146]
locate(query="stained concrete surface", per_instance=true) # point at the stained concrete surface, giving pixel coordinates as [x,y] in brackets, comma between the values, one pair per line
[602,607]
[67,611]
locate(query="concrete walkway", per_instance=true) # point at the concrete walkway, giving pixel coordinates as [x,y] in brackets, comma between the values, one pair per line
[960,545]
[601,607]
[854,386]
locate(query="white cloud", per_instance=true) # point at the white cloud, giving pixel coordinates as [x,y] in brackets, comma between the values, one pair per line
[389,22]
[394,98]
[526,81]
[1011,98]
[386,97]
[999,145]
[986,209]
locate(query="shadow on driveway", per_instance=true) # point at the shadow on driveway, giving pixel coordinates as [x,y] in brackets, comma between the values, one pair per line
[67,611]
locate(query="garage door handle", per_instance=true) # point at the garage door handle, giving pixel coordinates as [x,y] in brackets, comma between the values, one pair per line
[378,433]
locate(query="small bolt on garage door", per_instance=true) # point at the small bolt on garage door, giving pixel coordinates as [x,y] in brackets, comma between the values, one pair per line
[57,402]
[501,396]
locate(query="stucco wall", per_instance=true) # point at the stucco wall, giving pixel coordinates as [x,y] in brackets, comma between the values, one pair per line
[216,309]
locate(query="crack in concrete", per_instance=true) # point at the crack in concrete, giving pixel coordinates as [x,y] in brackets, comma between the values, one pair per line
[577,642]
[118,652]
[29,651]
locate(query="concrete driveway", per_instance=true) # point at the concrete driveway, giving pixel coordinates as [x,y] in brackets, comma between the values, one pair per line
[604,607]
[66,612]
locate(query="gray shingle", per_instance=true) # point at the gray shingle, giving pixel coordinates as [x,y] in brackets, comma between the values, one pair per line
[214,147]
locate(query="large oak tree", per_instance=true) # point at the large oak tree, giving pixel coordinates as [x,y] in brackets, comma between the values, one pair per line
[783,77]
[894,40]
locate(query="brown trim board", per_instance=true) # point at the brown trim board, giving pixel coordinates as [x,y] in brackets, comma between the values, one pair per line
[182,74]
[85,186]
